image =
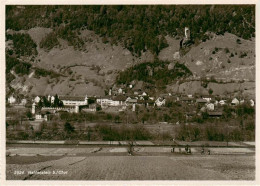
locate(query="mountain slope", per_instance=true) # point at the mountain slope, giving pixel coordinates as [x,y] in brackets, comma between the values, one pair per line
[85,55]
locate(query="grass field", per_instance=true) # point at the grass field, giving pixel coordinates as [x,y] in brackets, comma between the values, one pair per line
[114,163]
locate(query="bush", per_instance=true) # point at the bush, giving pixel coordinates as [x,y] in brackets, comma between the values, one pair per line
[226,50]
[238,41]
[122,132]
[242,54]
[210,91]
[68,128]
[22,135]
[250,126]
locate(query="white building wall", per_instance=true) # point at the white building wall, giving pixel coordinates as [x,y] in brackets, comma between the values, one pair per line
[11,100]
[37,99]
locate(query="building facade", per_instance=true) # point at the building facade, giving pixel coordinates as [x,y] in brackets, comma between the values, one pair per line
[74,100]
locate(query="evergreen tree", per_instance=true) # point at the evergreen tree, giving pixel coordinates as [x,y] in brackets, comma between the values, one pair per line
[56,101]
[68,128]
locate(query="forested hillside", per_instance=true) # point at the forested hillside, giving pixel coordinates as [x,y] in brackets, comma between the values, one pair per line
[156,73]
[82,50]
[138,28]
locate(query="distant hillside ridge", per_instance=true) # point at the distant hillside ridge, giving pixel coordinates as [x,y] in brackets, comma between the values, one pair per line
[137,27]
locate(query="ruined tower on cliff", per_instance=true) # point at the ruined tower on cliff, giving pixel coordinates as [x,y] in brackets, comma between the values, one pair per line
[186,41]
[187,33]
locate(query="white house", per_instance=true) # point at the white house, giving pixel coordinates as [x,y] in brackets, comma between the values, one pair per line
[252,103]
[120,91]
[235,101]
[37,99]
[74,100]
[118,101]
[131,101]
[160,102]
[189,95]
[11,99]
[105,101]
[210,106]
[52,99]
[40,117]
[23,101]
[133,108]
[207,98]
[141,98]
[144,94]
[128,98]
[33,108]
[222,102]
[203,109]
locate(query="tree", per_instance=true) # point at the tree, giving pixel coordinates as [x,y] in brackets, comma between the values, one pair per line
[98,108]
[46,102]
[89,133]
[54,126]
[68,128]
[40,104]
[29,114]
[117,118]
[210,91]
[56,101]
[60,103]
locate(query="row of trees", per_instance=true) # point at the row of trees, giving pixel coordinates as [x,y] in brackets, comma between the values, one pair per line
[44,102]
[67,130]
[174,112]
[216,132]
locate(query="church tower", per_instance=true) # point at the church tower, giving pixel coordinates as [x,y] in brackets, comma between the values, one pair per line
[33,108]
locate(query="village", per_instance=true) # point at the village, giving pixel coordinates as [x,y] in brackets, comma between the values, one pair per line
[130,92]
[118,100]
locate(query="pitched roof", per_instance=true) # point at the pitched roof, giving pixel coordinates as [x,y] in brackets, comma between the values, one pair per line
[119,98]
[72,98]
[186,99]
[104,97]
[132,101]
[201,101]
[215,113]
[160,99]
